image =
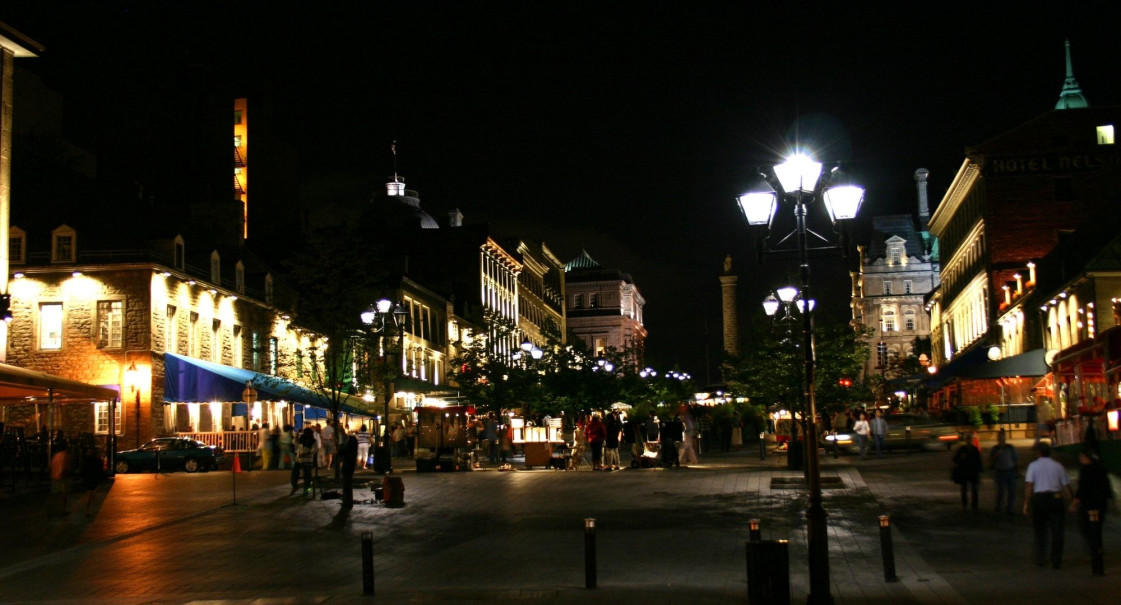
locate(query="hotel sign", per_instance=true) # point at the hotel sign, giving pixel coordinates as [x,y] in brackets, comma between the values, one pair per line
[1026,165]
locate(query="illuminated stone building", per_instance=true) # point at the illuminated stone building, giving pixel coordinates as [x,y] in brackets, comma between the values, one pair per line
[541,289]
[898,268]
[605,309]
[1009,205]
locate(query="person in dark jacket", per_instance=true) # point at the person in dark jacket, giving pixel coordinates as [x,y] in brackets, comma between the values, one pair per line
[1093,494]
[967,471]
[596,433]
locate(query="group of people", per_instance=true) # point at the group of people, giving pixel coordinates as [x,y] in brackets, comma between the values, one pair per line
[83,470]
[276,447]
[309,450]
[1047,491]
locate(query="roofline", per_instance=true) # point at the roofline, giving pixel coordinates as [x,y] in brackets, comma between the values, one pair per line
[20,45]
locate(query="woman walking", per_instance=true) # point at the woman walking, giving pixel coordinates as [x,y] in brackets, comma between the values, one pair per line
[306,453]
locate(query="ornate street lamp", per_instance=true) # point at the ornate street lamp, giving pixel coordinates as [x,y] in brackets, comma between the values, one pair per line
[798,182]
[376,317]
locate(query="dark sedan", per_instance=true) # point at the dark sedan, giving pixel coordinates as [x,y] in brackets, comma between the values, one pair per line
[169,454]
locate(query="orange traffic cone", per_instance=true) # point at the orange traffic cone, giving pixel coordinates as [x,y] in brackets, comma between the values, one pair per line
[237,464]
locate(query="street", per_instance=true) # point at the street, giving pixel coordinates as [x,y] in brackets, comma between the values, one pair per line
[663,536]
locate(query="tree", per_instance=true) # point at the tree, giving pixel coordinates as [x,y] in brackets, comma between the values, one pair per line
[332,297]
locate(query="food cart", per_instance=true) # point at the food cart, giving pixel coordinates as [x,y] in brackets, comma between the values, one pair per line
[537,441]
[443,432]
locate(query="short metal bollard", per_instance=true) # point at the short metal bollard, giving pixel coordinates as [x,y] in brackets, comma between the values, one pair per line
[753,532]
[768,572]
[907,444]
[589,553]
[367,563]
[762,446]
[887,548]
[1097,562]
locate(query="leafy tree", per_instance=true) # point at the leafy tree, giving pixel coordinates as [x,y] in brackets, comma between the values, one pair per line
[333,296]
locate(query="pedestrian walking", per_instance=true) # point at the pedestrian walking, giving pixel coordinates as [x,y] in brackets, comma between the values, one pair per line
[612,427]
[1045,485]
[596,434]
[286,444]
[307,451]
[60,479]
[1005,463]
[362,438]
[861,430]
[967,472]
[1094,494]
[329,444]
[264,452]
[1044,419]
[878,428]
[92,473]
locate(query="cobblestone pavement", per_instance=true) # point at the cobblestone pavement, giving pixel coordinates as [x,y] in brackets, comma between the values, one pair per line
[663,536]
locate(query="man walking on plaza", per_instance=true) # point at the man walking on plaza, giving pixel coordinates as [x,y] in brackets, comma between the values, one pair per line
[1046,484]
[878,427]
[1006,464]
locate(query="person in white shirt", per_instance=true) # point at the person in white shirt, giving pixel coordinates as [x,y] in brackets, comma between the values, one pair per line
[1046,485]
[862,430]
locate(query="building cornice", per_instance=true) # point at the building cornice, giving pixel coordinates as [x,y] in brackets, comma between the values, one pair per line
[966,177]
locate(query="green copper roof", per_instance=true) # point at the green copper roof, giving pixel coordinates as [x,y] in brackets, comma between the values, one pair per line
[583,261]
[1071,96]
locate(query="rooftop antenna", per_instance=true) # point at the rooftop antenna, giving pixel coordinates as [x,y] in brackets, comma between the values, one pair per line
[396,187]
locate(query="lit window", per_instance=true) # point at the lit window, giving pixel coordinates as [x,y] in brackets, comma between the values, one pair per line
[193,336]
[274,356]
[1105,135]
[50,326]
[256,347]
[17,246]
[101,418]
[237,140]
[896,256]
[909,321]
[889,321]
[171,337]
[600,346]
[110,324]
[63,245]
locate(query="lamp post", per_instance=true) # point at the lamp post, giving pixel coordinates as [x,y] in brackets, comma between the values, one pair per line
[376,318]
[789,298]
[797,181]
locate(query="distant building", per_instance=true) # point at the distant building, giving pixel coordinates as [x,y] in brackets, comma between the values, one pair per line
[605,309]
[1010,204]
[541,287]
[898,268]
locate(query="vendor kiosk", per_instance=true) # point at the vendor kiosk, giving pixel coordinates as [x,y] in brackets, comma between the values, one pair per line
[443,432]
[537,442]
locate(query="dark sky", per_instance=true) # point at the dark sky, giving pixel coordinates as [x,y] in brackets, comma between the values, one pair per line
[625,128]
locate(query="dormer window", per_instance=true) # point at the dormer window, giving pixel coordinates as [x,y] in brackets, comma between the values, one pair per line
[896,256]
[17,246]
[1105,135]
[63,245]
[180,253]
[215,268]
[239,277]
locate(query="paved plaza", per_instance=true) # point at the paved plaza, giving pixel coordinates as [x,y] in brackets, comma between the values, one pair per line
[663,536]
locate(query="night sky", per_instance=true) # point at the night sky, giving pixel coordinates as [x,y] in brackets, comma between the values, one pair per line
[624,128]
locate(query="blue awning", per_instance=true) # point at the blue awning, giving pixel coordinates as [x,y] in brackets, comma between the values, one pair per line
[188,380]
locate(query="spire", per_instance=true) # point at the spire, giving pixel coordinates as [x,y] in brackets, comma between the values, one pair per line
[1071,96]
[396,187]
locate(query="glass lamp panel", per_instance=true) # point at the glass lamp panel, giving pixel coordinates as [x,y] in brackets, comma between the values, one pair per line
[802,305]
[798,173]
[527,345]
[843,202]
[758,207]
[384,305]
[787,294]
[770,304]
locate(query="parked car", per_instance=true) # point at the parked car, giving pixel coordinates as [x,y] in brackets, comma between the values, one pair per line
[925,433]
[170,453]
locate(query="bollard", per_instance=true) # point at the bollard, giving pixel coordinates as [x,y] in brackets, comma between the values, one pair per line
[768,573]
[907,443]
[762,446]
[1097,564]
[753,530]
[367,563]
[836,446]
[589,553]
[888,550]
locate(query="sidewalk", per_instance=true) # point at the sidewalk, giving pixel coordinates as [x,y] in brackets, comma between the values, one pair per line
[663,536]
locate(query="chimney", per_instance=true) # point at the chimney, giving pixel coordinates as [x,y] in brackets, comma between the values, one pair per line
[924,206]
[455,218]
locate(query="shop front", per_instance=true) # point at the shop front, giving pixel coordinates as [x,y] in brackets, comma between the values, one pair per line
[1087,387]
[221,405]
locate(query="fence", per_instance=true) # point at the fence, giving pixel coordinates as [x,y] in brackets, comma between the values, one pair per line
[231,441]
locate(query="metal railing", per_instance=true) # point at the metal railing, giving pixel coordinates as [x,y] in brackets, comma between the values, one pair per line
[230,441]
